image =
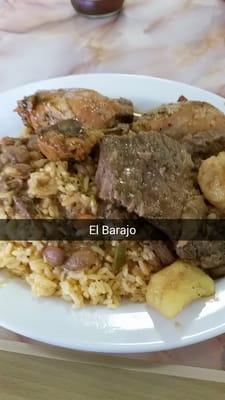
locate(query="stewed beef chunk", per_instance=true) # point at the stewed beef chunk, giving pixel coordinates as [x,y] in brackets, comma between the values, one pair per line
[163,251]
[151,175]
[207,254]
[107,210]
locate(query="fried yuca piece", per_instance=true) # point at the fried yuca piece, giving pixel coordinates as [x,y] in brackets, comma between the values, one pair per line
[211,179]
[90,108]
[197,124]
[177,285]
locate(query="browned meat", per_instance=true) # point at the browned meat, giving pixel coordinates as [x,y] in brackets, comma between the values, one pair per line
[207,254]
[198,125]
[163,252]
[32,143]
[218,272]
[21,150]
[68,140]
[182,98]
[14,151]
[181,119]
[18,154]
[108,210]
[90,108]
[151,175]
[18,158]
[21,171]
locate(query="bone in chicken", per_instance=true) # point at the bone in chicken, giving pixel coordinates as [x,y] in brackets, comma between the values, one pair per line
[90,108]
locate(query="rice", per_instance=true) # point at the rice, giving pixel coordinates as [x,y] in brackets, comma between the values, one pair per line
[51,186]
[96,285]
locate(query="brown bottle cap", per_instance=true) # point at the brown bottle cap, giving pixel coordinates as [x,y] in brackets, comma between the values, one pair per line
[97,7]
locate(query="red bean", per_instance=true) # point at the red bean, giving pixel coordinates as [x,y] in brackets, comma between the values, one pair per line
[54,256]
[18,154]
[81,259]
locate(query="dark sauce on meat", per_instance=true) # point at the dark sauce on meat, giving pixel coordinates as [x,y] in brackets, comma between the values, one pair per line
[97,8]
[70,127]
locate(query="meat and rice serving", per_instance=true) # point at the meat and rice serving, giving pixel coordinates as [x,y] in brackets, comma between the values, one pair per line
[86,156]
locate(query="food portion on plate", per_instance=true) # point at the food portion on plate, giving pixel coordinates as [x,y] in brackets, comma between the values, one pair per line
[90,108]
[198,125]
[86,156]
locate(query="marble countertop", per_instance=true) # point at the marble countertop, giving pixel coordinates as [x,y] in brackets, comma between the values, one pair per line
[182,40]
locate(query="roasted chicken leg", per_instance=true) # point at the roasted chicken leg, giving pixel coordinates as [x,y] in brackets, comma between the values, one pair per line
[198,125]
[90,108]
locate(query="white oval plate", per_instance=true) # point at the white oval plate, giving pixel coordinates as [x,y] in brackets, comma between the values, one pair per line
[131,327]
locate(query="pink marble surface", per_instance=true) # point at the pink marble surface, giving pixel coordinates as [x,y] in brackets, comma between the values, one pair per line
[175,39]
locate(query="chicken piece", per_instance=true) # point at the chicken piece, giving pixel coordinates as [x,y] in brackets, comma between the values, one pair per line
[181,119]
[68,140]
[198,125]
[90,108]
[211,179]
[151,175]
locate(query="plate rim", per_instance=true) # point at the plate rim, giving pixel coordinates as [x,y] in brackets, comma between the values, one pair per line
[113,74]
[116,347]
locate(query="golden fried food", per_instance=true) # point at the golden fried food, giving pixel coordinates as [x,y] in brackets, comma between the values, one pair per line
[177,285]
[90,108]
[211,179]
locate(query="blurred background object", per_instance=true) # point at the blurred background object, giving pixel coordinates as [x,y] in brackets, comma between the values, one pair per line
[98,8]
